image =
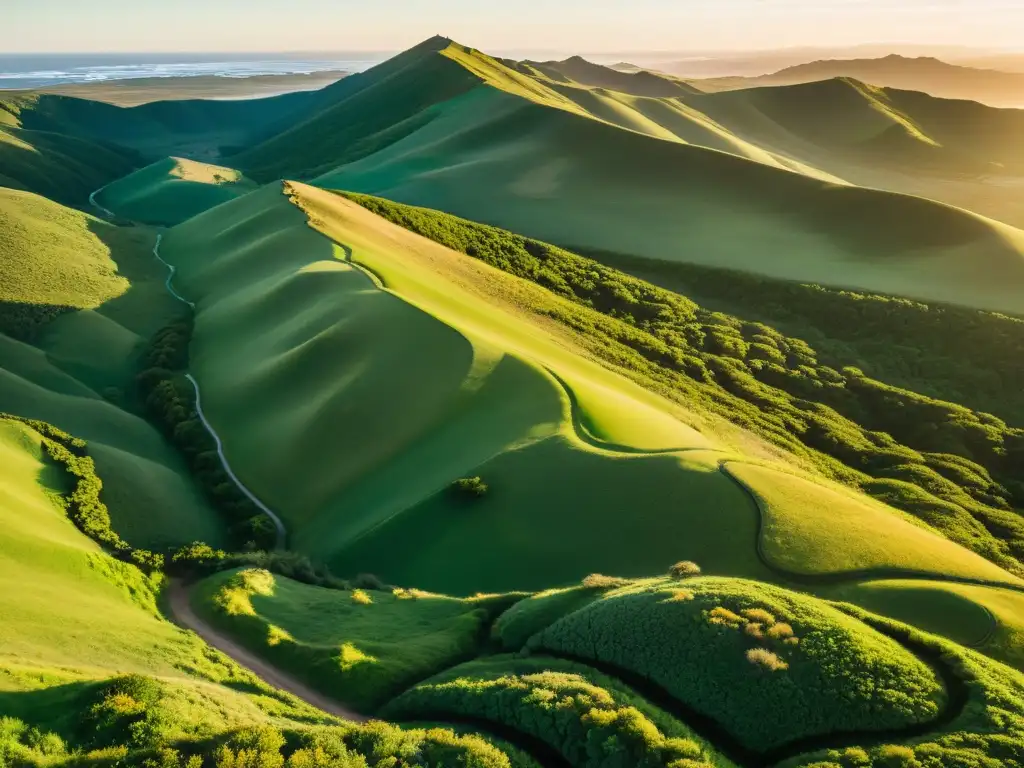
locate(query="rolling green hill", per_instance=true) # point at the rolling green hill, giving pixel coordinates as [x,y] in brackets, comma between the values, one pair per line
[80,297]
[590,167]
[172,190]
[501,393]
[194,128]
[58,166]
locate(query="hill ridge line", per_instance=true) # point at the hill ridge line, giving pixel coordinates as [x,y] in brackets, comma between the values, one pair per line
[872,574]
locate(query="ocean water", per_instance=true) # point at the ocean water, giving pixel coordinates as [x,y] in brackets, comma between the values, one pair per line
[33,70]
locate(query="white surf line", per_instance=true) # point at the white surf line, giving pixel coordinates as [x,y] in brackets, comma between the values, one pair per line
[282,533]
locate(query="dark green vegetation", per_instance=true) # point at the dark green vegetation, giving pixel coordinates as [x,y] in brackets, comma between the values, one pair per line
[83,505]
[760,645]
[587,718]
[170,401]
[136,721]
[953,468]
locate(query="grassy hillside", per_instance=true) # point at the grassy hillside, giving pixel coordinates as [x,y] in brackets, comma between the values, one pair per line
[193,128]
[171,190]
[62,168]
[362,646]
[482,405]
[91,672]
[985,618]
[502,393]
[521,153]
[80,297]
[950,475]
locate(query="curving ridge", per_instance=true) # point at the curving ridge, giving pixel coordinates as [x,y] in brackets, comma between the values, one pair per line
[844,576]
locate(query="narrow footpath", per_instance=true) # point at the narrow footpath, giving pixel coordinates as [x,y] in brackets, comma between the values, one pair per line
[184,616]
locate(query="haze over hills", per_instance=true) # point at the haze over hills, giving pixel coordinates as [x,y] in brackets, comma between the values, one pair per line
[507,414]
[927,74]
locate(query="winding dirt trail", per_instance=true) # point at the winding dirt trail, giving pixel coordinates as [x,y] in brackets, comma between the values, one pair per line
[183,615]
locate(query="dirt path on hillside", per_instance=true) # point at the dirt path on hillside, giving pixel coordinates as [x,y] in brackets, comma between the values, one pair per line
[183,615]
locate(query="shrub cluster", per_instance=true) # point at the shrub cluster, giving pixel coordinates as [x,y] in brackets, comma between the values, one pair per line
[23,320]
[812,670]
[83,505]
[169,401]
[469,488]
[568,707]
[199,559]
[953,467]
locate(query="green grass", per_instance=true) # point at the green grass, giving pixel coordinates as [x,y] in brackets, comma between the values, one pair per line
[172,190]
[360,647]
[574,180]
[72,618]
[754,679]
[985,618]
[71,615]
[53,255]
[810,528]
[588,718]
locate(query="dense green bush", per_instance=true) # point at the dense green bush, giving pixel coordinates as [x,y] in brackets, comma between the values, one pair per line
[469,488]
[23,321]
[126,724]
[854,428]
[83,504]
[589,719]
[169,401]
[769,665]
[988,731]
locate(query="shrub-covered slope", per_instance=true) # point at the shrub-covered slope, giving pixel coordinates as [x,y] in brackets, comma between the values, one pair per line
[951,468]
[773,667]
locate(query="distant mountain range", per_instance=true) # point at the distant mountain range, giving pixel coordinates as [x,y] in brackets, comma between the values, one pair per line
[930,75]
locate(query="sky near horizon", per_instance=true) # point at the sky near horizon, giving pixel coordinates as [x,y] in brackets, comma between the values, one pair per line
[562,25]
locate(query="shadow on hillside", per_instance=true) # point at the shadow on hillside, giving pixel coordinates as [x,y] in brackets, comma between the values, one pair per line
[52,708]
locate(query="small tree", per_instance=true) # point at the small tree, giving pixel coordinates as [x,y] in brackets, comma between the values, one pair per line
[684,569]
[470,487]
